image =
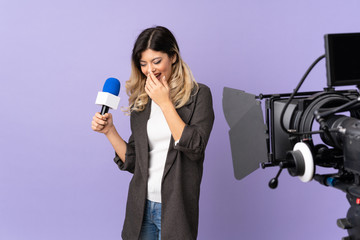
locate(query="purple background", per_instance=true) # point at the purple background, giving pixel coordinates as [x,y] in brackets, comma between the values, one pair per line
[57,177]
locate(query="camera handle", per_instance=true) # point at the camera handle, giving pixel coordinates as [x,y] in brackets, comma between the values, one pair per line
[273,183]
[299,162]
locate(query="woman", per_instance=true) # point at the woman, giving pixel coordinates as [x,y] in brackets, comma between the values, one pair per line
[171,120]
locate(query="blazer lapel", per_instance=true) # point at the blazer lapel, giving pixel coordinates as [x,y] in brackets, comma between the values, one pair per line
[140,127]
[185,113]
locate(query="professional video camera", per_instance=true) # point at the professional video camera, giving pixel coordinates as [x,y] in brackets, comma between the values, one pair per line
[287,138]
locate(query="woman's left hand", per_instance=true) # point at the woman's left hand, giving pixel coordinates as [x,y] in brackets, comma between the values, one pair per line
[158,90]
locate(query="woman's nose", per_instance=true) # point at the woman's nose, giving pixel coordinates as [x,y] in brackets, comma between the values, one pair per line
[151,68]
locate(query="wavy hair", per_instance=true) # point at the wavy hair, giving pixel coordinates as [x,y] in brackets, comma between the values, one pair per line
[181,81]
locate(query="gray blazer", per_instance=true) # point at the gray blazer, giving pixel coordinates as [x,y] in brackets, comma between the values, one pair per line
[182,174]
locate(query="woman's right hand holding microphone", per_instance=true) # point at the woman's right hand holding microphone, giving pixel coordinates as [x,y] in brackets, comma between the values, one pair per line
[102,123]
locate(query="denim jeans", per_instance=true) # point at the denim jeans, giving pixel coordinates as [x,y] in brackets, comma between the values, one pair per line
[151,226]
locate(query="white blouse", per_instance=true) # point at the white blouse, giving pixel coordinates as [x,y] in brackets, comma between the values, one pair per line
[159,135]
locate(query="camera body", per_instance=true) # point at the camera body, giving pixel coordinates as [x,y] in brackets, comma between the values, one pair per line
[340,136]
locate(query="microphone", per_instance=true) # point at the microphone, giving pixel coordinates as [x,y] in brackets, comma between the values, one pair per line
[108,98]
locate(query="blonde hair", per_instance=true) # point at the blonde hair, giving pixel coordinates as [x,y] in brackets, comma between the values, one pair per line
[181,81]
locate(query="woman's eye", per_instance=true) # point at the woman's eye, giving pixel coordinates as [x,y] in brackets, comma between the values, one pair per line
[157,62]
[142,64]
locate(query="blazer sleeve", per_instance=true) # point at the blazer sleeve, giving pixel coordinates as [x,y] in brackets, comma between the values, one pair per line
[196,133]
[130,157]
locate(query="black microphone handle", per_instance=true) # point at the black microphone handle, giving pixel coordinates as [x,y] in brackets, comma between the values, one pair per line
[104,109]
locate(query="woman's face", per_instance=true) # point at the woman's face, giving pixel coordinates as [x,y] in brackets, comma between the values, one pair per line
[157,62]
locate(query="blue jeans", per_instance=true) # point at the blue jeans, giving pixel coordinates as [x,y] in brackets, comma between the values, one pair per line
[151,226]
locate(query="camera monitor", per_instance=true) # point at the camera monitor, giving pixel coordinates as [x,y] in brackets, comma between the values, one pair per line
[342,59]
